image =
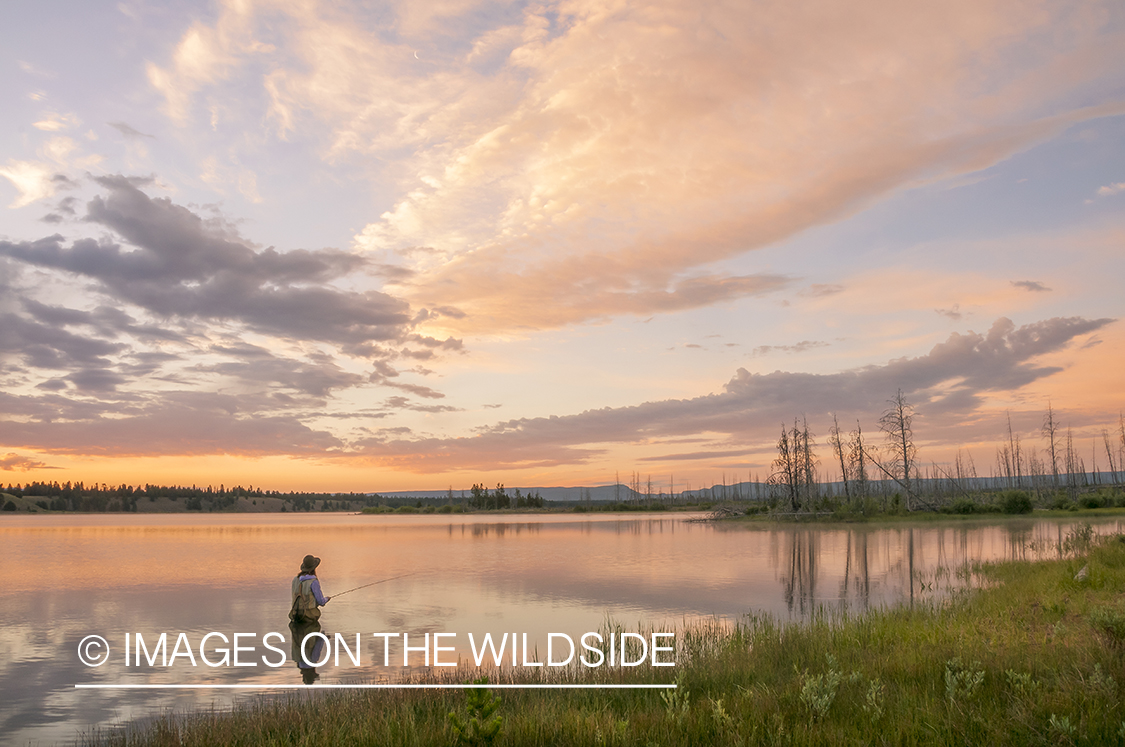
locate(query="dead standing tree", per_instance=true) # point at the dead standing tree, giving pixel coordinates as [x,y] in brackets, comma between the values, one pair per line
[1051,433]
[795,466]
[785,470]
[858,463]
[837,443]
[896,423]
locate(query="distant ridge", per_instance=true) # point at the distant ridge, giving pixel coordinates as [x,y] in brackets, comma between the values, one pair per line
[600,493]
[753,491]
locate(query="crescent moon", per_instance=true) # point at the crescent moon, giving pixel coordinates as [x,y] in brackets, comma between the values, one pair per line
[416,56]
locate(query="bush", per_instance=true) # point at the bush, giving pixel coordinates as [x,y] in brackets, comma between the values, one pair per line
[1061,502]
[963,506]
[1015,502]
[1110,623]
[1091,500]
[9,506]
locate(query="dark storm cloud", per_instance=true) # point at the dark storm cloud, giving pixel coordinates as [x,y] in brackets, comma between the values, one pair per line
[184,267]
[946,382]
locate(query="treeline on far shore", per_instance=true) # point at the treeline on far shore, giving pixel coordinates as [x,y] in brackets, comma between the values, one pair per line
[81,497]
[95,497]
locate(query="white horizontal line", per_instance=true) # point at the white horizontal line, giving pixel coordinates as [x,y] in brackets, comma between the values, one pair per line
[380,687]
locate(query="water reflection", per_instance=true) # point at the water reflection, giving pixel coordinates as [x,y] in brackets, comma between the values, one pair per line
[308,648]
[113,575]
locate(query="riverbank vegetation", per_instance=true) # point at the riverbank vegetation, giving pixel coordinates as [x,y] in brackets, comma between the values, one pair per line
[1033,653]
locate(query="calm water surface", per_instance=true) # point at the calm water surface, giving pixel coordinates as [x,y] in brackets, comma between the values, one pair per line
[72,576]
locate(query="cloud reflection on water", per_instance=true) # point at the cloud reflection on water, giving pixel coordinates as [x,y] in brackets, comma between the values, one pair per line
[116,574]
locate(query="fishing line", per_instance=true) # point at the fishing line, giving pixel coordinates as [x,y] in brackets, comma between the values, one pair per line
[384,581]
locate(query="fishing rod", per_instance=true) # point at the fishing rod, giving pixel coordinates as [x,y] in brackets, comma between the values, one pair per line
[382,581]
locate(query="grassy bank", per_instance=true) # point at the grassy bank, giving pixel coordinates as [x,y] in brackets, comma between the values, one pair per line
[1034,657]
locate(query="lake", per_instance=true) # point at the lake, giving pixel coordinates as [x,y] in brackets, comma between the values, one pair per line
[71,576]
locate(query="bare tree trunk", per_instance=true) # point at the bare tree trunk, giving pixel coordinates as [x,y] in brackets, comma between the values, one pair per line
[896,423]
[1050,432]
[1109,456]
[1071,464]
[838,446]
[808,464]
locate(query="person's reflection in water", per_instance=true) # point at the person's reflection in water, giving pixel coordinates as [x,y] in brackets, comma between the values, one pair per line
[306,653]
[304,619]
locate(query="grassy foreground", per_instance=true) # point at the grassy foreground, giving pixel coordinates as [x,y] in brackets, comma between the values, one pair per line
[1035,657]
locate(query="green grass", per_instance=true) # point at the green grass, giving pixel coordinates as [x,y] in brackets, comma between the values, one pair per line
[1032,657]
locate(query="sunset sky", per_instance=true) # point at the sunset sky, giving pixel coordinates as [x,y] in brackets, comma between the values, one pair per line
[390,246]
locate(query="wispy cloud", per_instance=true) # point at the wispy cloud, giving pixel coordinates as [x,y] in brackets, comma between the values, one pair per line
[127,130]
[1030,285]
[17,462]
[947,385]
[953,313]
[612,157]
[799,347]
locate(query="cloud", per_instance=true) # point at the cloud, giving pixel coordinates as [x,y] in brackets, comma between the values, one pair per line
[1030,285]
[185,268]
[33,181]
[689,456]
[54,122]
[402,403]
[180,425]
[800,347]
[1111,189]
[614,154]
[945,385]
[954,313]
[127,130]
[820,290]
[50,346]
[257,366]
[13,462]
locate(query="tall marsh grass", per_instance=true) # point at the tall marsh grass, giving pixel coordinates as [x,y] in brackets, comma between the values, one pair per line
[1033,657]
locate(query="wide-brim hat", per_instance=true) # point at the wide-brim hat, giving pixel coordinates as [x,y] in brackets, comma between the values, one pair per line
[309,563]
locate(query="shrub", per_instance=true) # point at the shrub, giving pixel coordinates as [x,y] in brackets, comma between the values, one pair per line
[1091,500]
[1015,502]
[9,506]
[1060,502]
[963,506]
[1110,624]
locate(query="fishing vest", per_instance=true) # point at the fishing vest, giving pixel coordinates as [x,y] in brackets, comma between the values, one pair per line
[304,607]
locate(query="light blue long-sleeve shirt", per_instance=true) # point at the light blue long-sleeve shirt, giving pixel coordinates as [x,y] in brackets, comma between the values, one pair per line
[314,587]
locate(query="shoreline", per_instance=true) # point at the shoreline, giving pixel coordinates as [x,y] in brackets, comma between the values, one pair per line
[1034,653]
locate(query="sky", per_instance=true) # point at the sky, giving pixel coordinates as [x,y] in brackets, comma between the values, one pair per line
[388,246]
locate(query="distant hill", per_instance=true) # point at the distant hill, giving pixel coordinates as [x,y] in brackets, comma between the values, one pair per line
[600,493]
